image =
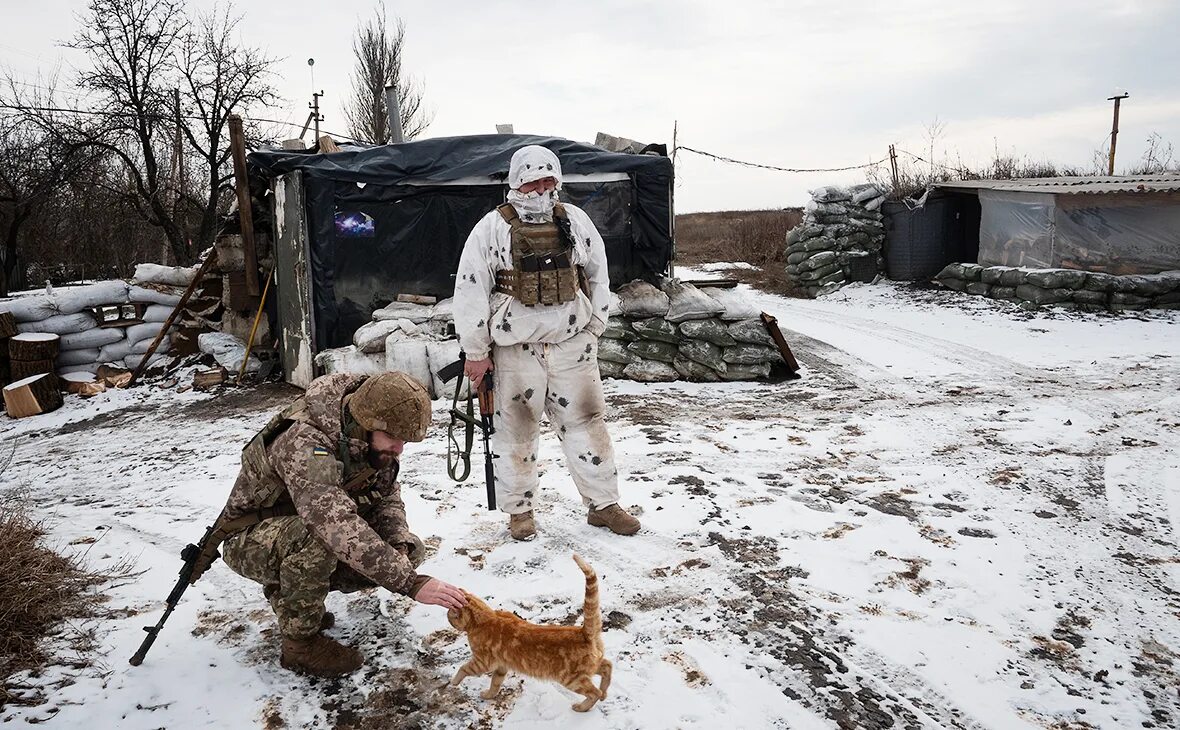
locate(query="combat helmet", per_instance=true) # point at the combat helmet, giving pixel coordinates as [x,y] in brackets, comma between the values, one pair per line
[395,403]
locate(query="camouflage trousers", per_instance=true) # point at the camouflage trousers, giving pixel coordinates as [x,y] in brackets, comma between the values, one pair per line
[296,571]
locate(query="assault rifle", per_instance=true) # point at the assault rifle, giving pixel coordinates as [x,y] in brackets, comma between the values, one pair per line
[189,572]
[487,406]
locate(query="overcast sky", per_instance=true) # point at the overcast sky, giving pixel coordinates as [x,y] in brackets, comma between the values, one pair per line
[792,84]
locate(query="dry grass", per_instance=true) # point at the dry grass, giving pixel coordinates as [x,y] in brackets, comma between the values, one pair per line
[39,590]
[752,236]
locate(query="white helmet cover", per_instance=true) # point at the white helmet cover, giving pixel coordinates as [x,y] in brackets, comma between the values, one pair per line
[533,163]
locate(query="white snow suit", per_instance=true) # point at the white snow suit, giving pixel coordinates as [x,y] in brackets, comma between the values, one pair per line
[545,356]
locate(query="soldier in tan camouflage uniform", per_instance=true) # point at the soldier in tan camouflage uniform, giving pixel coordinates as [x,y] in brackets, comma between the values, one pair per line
[327,467]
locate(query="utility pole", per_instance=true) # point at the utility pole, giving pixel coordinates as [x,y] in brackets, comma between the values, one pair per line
[893,166]
[1119,95]
[393,111]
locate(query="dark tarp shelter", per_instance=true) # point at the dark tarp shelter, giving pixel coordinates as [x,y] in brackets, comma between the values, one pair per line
[389,220]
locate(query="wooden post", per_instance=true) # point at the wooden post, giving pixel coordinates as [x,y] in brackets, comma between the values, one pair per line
[893,165]
[1114,130]
[237,144]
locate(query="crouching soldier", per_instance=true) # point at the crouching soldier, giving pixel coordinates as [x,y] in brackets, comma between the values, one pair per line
[322,478]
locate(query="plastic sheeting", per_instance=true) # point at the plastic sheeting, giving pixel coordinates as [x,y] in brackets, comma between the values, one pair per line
[375,235]
[1126,233]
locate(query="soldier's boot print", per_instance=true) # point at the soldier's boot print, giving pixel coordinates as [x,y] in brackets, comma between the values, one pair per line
[319,656]
[615,517]
[521,526]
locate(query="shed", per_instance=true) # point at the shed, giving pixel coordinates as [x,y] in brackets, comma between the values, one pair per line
[356,228]
[1118,225]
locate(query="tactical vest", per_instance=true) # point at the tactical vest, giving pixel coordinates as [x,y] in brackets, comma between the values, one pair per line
[543,271]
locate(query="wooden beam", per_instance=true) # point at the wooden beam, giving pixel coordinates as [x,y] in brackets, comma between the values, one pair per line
[237,143]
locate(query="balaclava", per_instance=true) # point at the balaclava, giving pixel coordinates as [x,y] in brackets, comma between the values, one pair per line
[528,164]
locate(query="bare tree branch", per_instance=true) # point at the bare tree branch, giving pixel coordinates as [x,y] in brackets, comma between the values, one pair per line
[378,51]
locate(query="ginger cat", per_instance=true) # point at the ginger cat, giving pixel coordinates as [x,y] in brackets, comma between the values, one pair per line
[501,641]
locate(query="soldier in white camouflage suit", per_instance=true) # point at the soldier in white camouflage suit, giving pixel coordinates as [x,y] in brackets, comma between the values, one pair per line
[324,474]
[531,296]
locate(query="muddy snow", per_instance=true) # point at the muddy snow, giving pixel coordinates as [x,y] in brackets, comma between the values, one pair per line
[964,516]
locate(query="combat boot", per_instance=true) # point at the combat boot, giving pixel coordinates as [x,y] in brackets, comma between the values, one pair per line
[327,621]
[319,656]
[522,526]
[615,517]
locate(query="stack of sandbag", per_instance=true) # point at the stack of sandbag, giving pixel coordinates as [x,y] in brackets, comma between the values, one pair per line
[839,240]
[1088,291]
[680,332]
[84,343]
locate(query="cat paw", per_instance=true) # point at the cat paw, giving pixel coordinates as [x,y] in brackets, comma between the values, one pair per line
[487,694]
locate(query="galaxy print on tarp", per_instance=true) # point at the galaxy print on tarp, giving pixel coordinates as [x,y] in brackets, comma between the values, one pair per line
[355,224]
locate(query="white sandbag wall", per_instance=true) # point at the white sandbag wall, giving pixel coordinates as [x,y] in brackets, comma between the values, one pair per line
[839,240]
[680,332]
[417,339]
[84,342]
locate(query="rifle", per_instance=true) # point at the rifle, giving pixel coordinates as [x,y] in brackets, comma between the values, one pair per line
[190,555]
[487,407]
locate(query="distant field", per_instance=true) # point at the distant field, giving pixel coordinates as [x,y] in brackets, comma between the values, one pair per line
[753,236]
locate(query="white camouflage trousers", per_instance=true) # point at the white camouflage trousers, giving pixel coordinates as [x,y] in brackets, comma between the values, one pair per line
[561,381]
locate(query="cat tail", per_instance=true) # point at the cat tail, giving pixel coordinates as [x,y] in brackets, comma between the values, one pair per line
[591,613]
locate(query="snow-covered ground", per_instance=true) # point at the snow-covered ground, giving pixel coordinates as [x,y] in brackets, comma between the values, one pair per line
[964,515]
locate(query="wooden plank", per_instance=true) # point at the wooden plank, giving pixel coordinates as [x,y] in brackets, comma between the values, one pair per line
[784,349]
[237,143]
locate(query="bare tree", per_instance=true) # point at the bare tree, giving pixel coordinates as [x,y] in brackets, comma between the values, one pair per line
[378,50]
[34,166]
[146,56]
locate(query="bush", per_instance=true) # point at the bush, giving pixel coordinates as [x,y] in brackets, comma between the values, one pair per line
[39,589]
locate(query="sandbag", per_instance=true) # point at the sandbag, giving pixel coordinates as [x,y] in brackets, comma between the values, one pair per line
[654,350]
[76,357]
[1057,278]
[640,299]
[350,360]
[751,331]
[416,313]
[74,299]
[686,302]
[409,356]
[139,347]
[863,193]
[1037,295]
[608,369]
[694,371]
[148,330]
[650,371]
[438,356]
[227,350]
[114,351]
[615,351]
[709,330]
[371,337]
[131,362]
[85,368]
[706,353]
[169,275]
[656,328]
[31,308]
[168,296]
[96,337]
[747,372]
[157,313]
[829,194]
[618,328]
[735,304]
[62,324]
[444,310]
[750,355]
[614,306]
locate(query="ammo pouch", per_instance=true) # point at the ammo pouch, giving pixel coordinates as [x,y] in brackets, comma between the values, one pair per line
[542,265]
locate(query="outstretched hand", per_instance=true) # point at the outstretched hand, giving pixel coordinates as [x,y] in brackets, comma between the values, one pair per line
[438,593]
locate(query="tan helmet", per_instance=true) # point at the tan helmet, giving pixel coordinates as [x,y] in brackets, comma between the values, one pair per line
[395,403]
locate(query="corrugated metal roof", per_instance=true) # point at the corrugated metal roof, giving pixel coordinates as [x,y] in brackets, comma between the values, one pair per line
[1074,185]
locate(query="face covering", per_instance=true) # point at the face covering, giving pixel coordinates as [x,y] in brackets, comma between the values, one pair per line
[534,207]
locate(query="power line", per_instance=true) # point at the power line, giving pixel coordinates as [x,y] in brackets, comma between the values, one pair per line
[722,158]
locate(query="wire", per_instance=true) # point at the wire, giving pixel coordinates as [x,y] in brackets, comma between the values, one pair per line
[162,117]
[722,158]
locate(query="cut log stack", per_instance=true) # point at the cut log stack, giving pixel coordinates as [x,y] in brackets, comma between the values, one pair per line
[32,353]
[33,395]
